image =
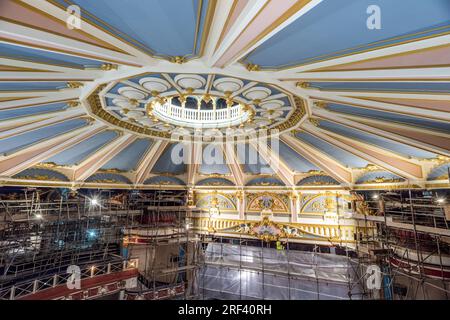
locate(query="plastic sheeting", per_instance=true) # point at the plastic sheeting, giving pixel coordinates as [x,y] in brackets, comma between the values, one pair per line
[241,272]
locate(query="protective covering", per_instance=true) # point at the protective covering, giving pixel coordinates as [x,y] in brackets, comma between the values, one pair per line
[244,272]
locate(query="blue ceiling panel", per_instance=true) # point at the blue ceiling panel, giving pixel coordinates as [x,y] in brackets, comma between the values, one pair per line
[12,144]
[42,56]
[336,28]
[387,144]
[168,163]
[32,86]
[390,117]
[438,87]
[165,28]
[440,172]
[129,158]
[293,159]
[213,162]
[251,161]
[83,150]
[340,155]
[34,110]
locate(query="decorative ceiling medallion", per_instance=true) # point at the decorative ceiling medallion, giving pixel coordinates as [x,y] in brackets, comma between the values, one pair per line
[257,93]
[132,93]
[157,105]
[230,85]
[154,84]
[190,81]
[271,105]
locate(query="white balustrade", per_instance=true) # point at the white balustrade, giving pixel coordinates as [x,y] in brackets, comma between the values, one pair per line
[200,118]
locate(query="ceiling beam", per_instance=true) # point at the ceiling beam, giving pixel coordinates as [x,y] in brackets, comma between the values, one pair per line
[274,161]
[257,23]
[147,164]
[59,96]
[42,151]
[406,74]
[233,164]
[371,154]
[428,141]
[335,97]
[53,119]
[101,157]
[16,33]
[331,167]
[195,159]
[373,54]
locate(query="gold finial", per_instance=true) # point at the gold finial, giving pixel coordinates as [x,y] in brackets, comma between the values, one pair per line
[253,67]
[178,59]
[109,66]
[74,84]
[88,119]
[182,98]
[134,102]
[125,110]
[189,90]
[207,98]
[370,167]
[303,85]
[73,103]
[256,102]
[154,93]
[321,104]
[314,121]
[293,196]
[161,100]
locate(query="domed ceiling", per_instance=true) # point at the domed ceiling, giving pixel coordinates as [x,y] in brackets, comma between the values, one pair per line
[356,93]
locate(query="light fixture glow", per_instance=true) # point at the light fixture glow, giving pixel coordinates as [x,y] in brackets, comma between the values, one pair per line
[38,216]
[375,196]
[440,200]
[94,202]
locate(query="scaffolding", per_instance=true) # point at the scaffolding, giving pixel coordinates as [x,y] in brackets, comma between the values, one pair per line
[44,231]
[242,271]
[404,234]
[161,238]
[409,241]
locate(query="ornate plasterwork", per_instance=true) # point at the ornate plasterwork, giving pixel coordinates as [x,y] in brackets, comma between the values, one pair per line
[258,202]
[270,230]
[225,202]
[132,108]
